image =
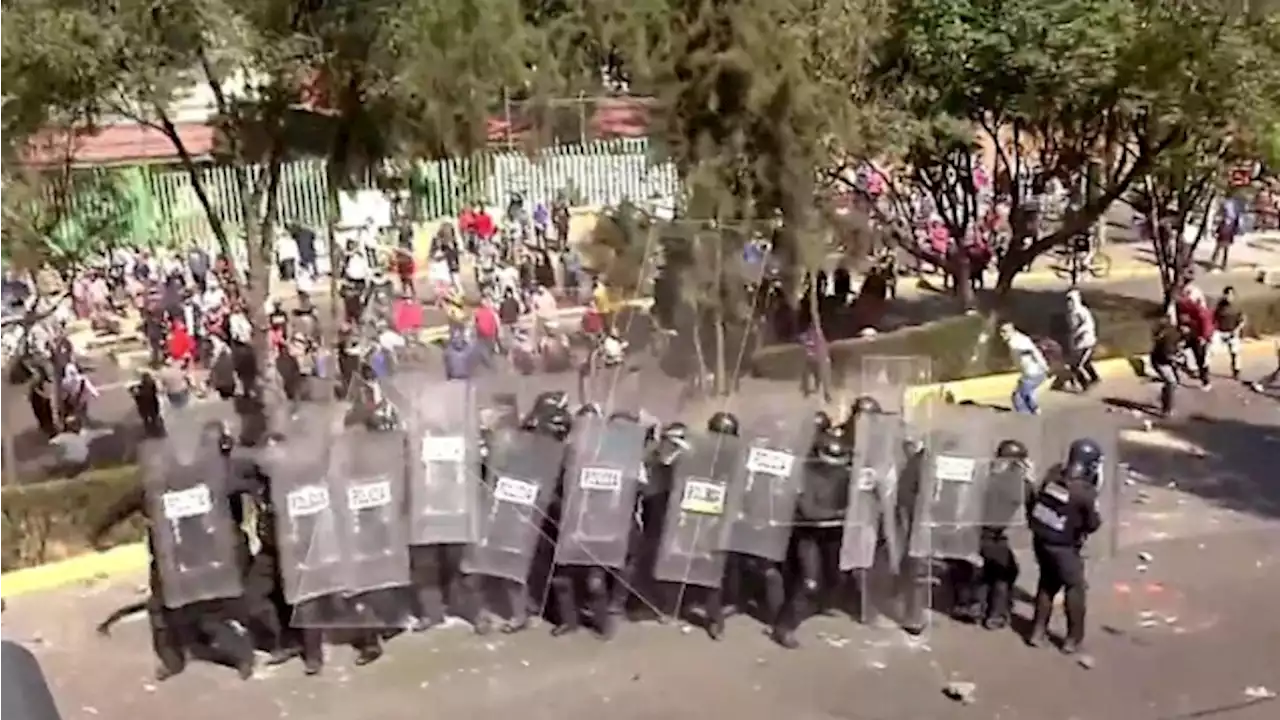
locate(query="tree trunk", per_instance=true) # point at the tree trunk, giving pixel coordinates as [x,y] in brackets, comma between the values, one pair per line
[815,317]
[962,276]
[722,381]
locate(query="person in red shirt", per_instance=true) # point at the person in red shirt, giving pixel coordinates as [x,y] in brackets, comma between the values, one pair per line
[485,228]
[487,326]
[405,268]
[1196,319]
[180,346]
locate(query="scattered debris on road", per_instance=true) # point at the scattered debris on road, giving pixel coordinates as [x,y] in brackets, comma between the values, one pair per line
[961,692]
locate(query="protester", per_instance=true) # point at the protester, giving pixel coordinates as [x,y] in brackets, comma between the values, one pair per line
[1228,322]
[1033,369]
[1082,340]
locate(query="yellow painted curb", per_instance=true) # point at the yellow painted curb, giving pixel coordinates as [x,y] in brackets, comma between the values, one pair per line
[1000,386]
[82,568]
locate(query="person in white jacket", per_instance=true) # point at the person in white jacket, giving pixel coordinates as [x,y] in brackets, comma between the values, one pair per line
[1083,338]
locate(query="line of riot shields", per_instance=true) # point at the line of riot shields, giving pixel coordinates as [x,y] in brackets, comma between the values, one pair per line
[585,517]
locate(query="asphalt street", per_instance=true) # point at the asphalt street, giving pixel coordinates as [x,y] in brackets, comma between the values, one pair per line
[1181,626]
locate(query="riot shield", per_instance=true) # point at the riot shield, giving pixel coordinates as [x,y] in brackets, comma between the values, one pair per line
[195,537]
[1060,428]
[523,470]
[600,493]
[303,493]
[695,534]
[770,476]
[1009,481]
[877,462]
[369,470]
[366,493]
[888,378]
[441,421]
[949,504]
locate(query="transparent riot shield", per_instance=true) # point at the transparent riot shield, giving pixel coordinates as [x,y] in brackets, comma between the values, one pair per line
[1009,480]
[367,471]
[523,469]
[1063,426]
[695,534]
[952,485]
[887,379]
[440,420]
[369,468]
[600,489]
[770,477]
[304,497]
[871,515]
[195,537]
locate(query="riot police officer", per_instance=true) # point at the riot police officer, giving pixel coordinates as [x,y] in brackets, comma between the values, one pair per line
[815,551]
[216,624]
[600,589]
[672,440]
[862,405]
[1061,515]
[1007,490]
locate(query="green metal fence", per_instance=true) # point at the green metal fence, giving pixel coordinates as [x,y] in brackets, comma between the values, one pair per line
[598,173]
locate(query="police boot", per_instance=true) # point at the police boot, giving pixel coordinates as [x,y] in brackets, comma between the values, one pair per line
[166,643]
[312,650]
[714,608]
[1040,620]
[784,636]
[999,597]
[598,602]
[519,599]
[1075,603]
[775,592]
[566,605]
[620,593]
[915,584]
[368,649]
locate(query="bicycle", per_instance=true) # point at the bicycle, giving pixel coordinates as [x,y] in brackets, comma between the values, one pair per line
[1093,263]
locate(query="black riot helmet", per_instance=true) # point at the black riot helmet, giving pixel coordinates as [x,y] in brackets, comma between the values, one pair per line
[865,405]
[1084,458]
[557,423]
[1011,454]
[821,422]
[723,423]
[551,400]
[1012,450]
[831,450]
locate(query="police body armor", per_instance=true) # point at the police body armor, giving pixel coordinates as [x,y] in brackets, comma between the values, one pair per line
[600,488]
[1052,517]
[523,469]
[695,532]
[194,534]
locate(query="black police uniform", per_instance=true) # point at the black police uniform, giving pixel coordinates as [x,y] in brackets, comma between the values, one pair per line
[815,543]
[1061,514]
[999,563]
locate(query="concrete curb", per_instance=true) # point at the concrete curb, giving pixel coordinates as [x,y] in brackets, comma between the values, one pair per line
[121,560]
[999,387]
[134,557]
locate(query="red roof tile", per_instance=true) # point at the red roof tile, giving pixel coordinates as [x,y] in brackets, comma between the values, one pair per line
[124,143]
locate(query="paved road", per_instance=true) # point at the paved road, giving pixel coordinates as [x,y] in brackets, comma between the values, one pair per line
[1183,633]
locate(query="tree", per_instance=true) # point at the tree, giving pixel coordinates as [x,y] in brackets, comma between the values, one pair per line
[1218,119]
[748,98]
[1059,89]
